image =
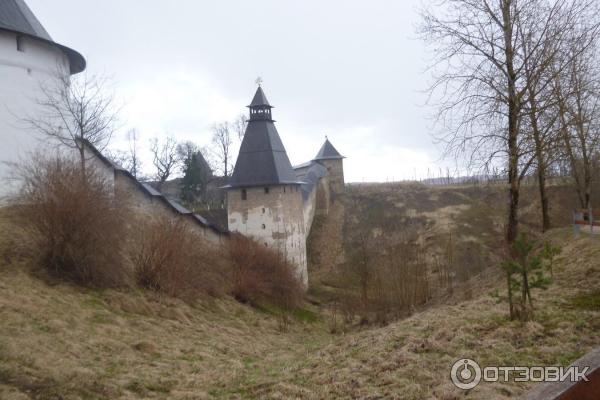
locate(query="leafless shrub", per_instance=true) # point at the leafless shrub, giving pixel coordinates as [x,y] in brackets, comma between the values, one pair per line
[351,306]
[261,275]
[73,222]
[169,258]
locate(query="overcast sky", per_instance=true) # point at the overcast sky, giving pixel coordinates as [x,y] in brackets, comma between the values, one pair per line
[352,70]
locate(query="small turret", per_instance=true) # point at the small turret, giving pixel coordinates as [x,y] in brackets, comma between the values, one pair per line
[331,159]
[260,109]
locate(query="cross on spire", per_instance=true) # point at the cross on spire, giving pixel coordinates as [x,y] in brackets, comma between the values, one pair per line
[259,81]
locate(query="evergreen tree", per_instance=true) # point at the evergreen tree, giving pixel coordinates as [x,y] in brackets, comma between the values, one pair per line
[196,176]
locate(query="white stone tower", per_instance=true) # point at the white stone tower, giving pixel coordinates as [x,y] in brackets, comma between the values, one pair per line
[29,60]
[264,200]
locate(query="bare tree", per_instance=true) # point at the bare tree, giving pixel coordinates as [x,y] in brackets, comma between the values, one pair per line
[540,122]
[578,95]
[565,43]
[165,158]
[128,159]
[185,151]
[239,126]
[134,164]
[484,54]
[76,111]
[223,145]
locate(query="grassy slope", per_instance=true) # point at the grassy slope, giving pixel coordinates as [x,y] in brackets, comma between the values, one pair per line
[59,341]
[467,219]
[63,342]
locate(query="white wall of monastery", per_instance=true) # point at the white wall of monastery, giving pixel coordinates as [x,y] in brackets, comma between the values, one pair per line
[22,74]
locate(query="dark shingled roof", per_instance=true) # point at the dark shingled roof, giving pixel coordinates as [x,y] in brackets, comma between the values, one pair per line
[148,190]
[260,99]
[309,173]
[16,17]
[328,152]
[262,159]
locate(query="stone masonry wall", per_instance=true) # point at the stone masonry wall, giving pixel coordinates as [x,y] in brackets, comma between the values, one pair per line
[335,174]
[155,207]
[275,219]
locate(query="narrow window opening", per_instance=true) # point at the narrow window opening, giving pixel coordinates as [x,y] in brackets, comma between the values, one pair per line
[20,43]
[263,210]
[264,226]
[266,190]
[244,194]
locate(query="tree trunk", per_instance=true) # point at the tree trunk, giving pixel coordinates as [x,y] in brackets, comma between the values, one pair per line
[513,109]
[541,162]
[544,199]
[572,160]
[510,296]
[81,150]
[513,212]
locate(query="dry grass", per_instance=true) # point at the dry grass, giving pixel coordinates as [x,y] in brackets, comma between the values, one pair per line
[112,344]
[457,229]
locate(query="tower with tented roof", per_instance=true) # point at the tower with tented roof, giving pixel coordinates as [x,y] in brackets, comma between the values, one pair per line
[331,159]
[264,200]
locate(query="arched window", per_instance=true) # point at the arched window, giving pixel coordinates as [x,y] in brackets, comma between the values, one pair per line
[244,194]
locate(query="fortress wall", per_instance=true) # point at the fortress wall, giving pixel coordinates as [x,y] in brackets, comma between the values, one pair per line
[309,209]
[323,196]
[335,174]
[155,206]
[275,219]
[147,204]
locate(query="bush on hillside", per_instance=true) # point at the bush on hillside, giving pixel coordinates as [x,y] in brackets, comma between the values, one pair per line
[73,223]
[169,258]
[263,276]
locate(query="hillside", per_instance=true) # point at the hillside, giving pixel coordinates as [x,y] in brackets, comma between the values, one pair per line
[456,229]
[59,341]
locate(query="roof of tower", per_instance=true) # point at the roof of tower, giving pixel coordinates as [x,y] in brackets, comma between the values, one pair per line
[15,16]
[262,160]
[328,152]
[260,99]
